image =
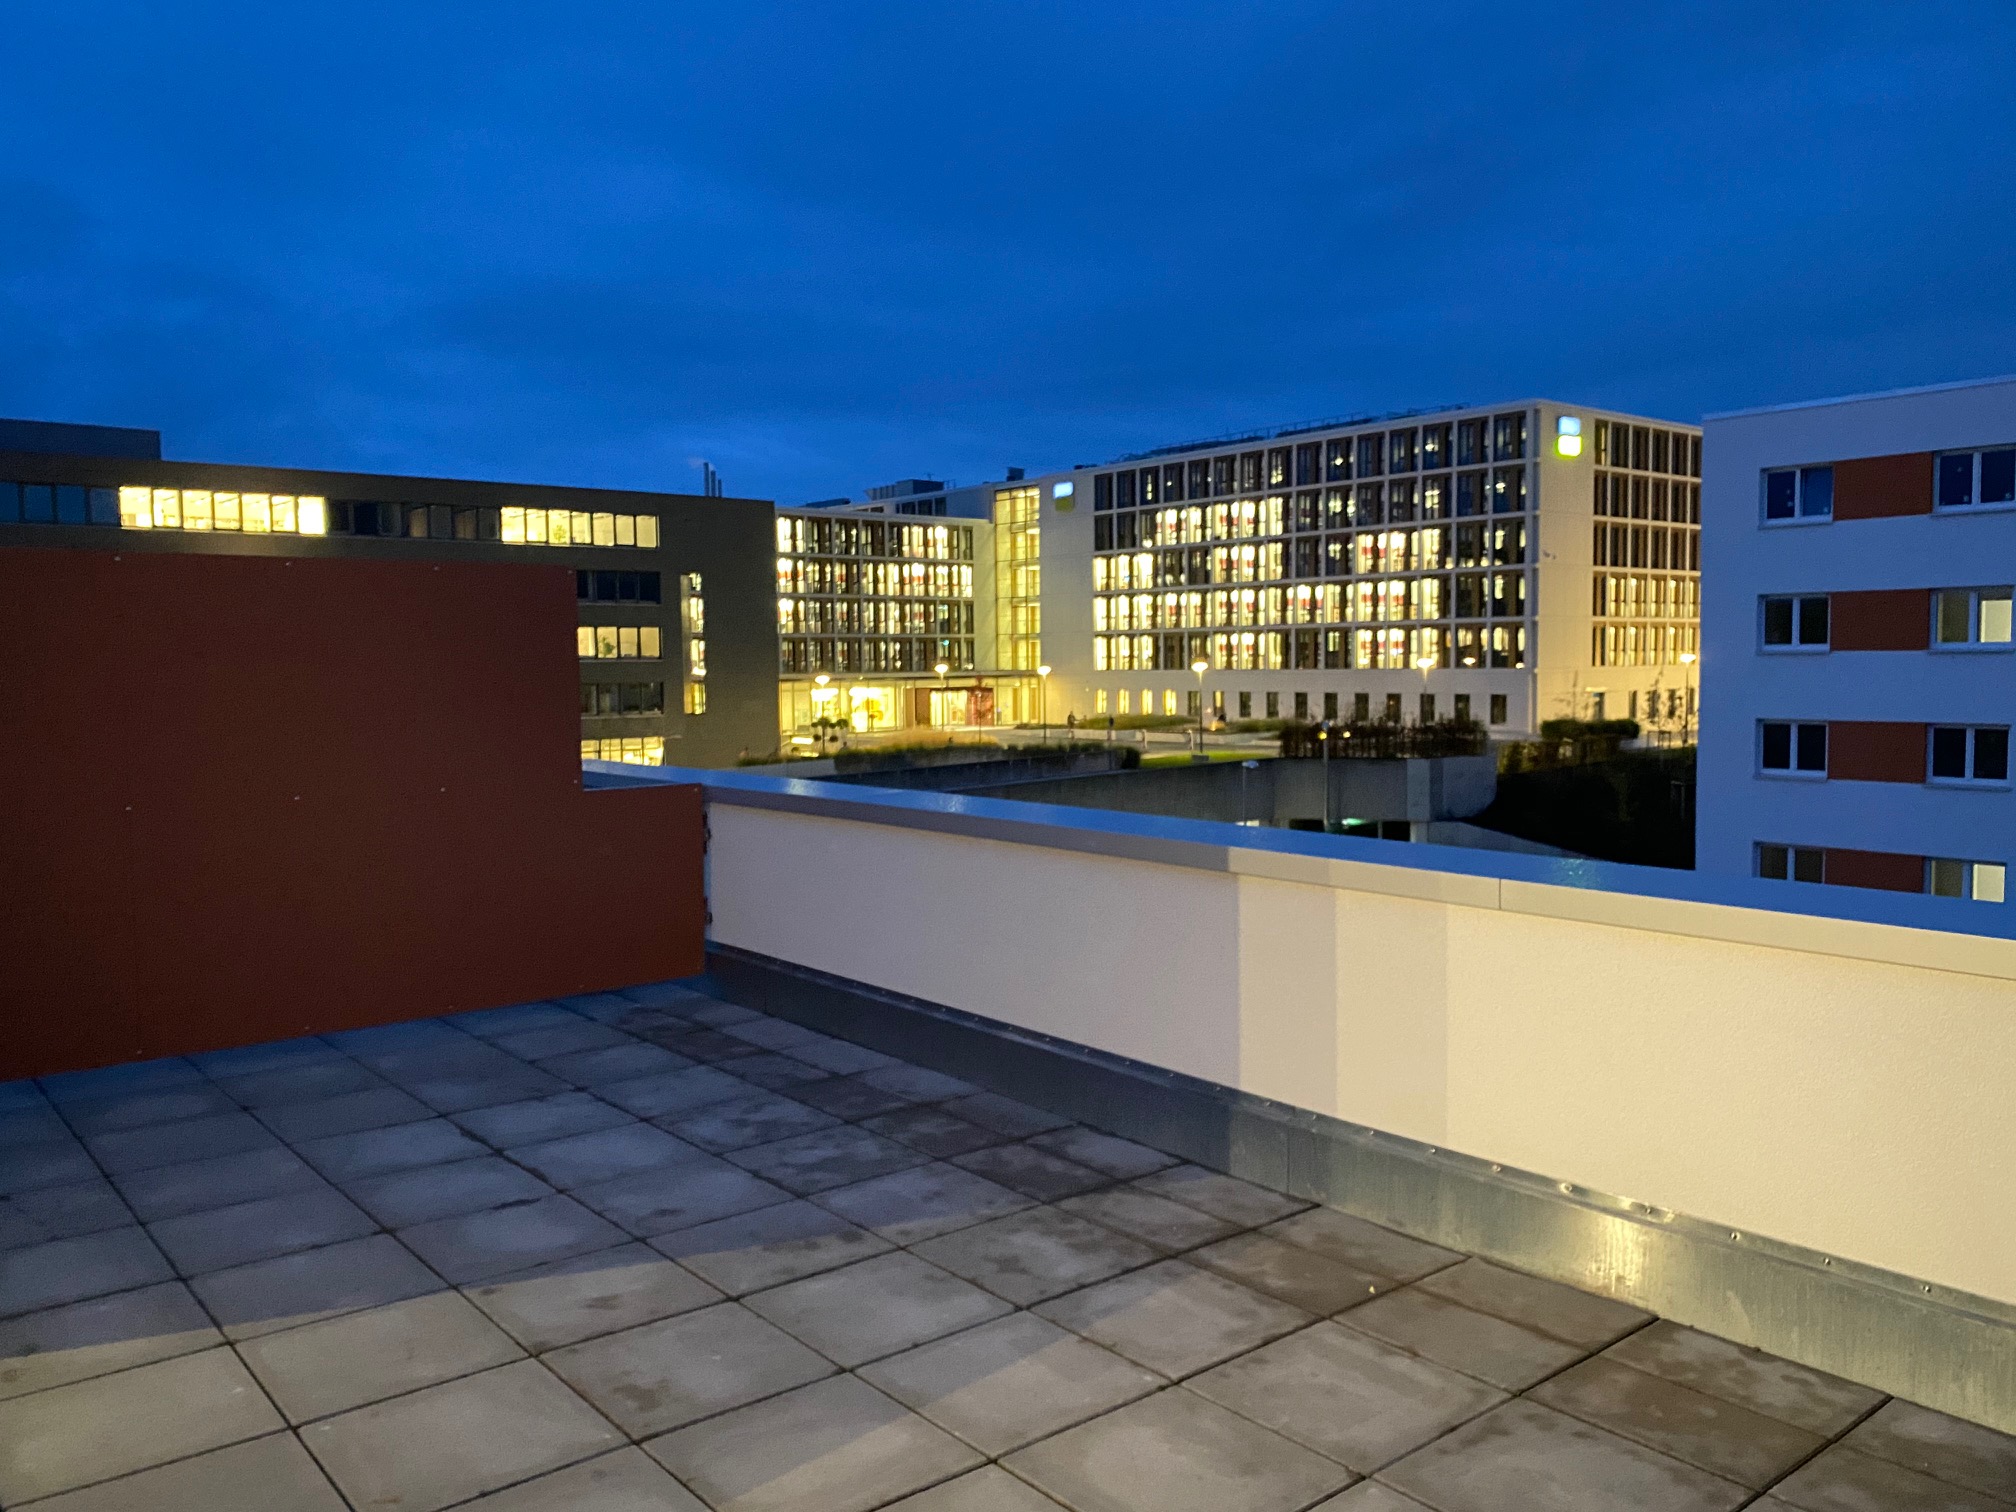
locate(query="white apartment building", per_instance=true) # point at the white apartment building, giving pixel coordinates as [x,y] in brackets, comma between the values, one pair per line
[1858,645]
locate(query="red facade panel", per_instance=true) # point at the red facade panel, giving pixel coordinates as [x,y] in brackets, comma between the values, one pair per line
[1883,619]
[1869,488]
[1873,750]
[252,798]
[1884,870]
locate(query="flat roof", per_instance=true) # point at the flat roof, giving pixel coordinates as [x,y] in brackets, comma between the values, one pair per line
[1896,393]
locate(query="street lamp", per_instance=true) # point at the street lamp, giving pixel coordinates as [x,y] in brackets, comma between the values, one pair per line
[1423,665]
[944,704]
[1687,660]
[1200,667]
[820,718]
[1043,700]
[1323,741]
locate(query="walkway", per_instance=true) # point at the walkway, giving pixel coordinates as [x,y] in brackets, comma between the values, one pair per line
[653,1253]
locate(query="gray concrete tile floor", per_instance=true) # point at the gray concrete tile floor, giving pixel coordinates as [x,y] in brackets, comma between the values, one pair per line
[652,1252]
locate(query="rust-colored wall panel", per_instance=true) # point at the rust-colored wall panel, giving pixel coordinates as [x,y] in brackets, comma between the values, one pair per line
[310,795]
[1870,488]
[1879,869]
[1881,619]
[1873,750]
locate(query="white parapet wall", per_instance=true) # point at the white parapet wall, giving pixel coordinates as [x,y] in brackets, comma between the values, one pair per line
[1836,1084]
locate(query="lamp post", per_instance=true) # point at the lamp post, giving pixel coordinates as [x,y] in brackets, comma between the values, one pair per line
[944,707]
[1323,741]
[1687,660]
[1424,665]
[1043,700]
[819,715]
[1200,667]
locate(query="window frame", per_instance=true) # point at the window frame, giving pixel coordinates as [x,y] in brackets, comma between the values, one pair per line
[1971,758]
[1795,646]
[1974,505]
[1789,855]
[1973,644]
[1799,515]
[1975,877]
[1794,771]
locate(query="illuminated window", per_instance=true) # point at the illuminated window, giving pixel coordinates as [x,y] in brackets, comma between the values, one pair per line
[512,530]
[647,532]
[696,697]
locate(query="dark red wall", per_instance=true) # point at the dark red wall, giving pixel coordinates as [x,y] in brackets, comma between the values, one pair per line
[247,798]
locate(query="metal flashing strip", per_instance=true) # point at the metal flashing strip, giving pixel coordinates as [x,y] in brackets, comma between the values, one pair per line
[1590,892]
[1944,1349]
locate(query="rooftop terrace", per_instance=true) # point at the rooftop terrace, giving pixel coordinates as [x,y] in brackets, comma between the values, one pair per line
[652,1252]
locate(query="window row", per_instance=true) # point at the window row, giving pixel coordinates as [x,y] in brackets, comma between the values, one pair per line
[1410,650]
[613,700]
[808,654]
[1467,595]
[634,750]
[563,527]
[1673,549]
[57,504]
[1501,543]
[800,536]
[616,587]
[1944,877]
[693,622]
[1647,448]
[1961,480]
[1954,753]
[1623,497]
[874,617]
[1303,704]
[1631,595]
[1961,617]
[798,576]
[218,509]
[1649,645]
[1398,502]
[617,642]
[1367,454]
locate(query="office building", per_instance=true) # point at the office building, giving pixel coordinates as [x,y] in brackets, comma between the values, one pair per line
[1858,642]
[676,636]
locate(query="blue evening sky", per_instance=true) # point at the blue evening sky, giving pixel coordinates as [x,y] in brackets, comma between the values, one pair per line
[826,245]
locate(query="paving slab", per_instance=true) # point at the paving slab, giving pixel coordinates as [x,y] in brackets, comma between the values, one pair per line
[364,1357]
[1703,1430]
[47,1275]
[672,1094]
[1547,1307]
[1168,1225]
[462,1093]
[373,1152]
[219,1238]
[1108,1154]
[850,1097]
[1523,1457]
[578,1298]
[1032,1256]
[676,1371]
[770,1246]
[988,1489]
[580,1160]
[1370,1496]
[350,1113]
[906,1207]
[173,1144]
[1038,1173]
[59,1345]
[135,1110]
[1796,1394]
[1315,1283]
[875,1307]
[678,1196]
[1354,1399]
[1840,1479]
[1362,1245]
[451,1442]
[270,1474]
[626,1481]
[113,1081]
[1240,1203]
[817,1162]
[1960,1453]
[276,1055]
[57,1440]
[932,1130]
[61,1212]
[776,1073]
[1503,1354]
[250,1300]
[224,1181]
[309,1079]
[539,1119]
[613,1063]
[479,1246]
[1004,1115]
[561,1039]
[1176,1452]
[835,1446]
[1174,1318]
[1010,1382]
[517,1018]
[402,1198]
[759,1118]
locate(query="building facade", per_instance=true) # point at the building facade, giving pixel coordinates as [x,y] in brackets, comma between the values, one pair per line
[676,634]
[1509,564]
[1858,643]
